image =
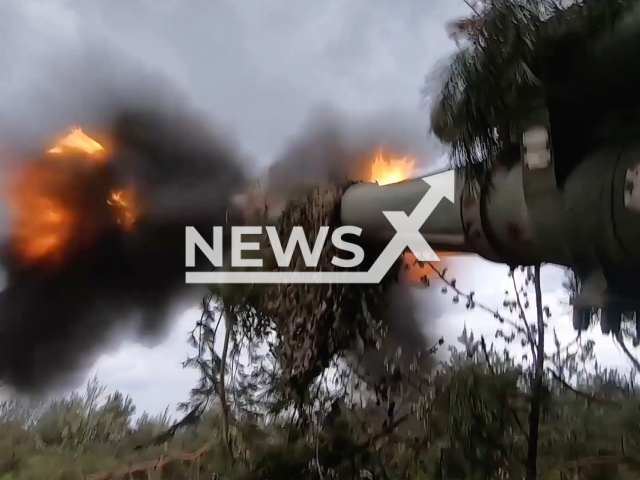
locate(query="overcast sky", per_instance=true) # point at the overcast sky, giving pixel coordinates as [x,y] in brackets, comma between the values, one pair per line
[259,68]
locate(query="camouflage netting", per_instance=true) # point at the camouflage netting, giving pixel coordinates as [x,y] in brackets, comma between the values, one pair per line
[314,322]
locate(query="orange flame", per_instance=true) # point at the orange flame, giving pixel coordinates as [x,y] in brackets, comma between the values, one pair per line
[43,225]
[77,140]
[417,272]
[122,200]
[393,170]
[43,221]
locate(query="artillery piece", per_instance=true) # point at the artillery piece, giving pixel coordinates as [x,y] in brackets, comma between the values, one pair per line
[520,216]
[570,195]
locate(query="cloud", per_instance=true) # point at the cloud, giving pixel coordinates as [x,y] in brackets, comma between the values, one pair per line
[258,69]
[153,377]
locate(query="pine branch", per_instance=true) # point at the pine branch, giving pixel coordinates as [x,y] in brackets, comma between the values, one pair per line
[494,81]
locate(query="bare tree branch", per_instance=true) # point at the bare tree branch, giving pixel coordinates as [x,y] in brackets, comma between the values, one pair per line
[530,339]
[495,313]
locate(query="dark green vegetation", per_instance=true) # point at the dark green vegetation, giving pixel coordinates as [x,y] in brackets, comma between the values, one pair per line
[469,419]
[517,56]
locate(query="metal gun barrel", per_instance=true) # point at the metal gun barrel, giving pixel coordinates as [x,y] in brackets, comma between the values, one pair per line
[363,204]
[498,229]
[521,216]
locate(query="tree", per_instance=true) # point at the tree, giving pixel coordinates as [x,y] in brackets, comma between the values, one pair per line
[574,388]
[500,71]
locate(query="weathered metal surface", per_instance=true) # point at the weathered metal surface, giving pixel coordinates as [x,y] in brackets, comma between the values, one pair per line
[473,203]
[363,205]
[590,223]
[632,188]
[536,145]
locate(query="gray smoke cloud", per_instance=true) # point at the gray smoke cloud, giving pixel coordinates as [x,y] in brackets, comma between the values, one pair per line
[57,316]
[332,146]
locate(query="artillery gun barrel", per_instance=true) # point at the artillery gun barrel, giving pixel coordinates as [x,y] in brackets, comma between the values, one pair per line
[363,204]
[520,216]
[494,226]
[582,211]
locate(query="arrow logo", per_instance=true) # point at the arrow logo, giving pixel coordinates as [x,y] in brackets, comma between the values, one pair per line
[407,235]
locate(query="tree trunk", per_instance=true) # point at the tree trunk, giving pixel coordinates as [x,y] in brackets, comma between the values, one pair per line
[228,317]
[536,386]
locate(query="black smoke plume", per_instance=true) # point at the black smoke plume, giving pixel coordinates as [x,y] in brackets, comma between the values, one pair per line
[56,317]
[57,313]
[333,146]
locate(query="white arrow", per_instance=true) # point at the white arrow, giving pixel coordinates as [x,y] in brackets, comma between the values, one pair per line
[408,234]
[408,227]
